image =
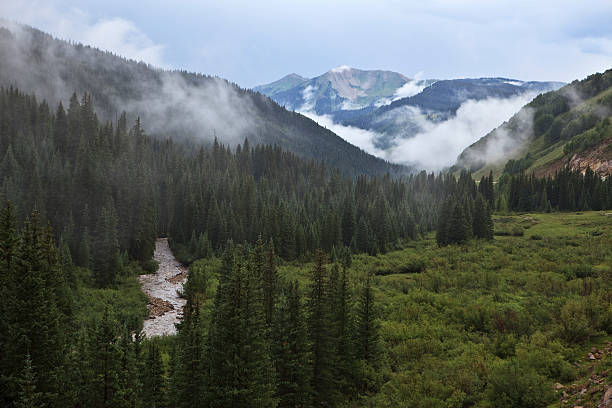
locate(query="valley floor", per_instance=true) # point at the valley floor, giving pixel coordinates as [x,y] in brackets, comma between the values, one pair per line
[507,322]
[495,320]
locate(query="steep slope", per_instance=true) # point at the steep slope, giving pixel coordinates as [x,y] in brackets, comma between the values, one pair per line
[440,101]
[569,126]
[171,103]
[339,89]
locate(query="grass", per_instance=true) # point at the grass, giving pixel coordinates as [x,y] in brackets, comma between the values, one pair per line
[125,299]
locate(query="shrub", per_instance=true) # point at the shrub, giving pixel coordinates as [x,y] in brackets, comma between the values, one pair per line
[150,266]
[517,231]
[511,384]
[574,324]
[415,265]
[581,271]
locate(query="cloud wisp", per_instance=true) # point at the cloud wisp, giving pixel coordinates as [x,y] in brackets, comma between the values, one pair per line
[364,139]
[118,35]
[438,144]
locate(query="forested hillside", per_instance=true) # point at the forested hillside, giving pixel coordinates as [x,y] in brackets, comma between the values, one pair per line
[105,185]
[569,127]
[173,103]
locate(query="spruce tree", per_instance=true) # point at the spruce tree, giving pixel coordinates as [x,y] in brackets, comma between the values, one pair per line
[342,328]
[482,224]
[106,249]
[459,228]
[191,368]
[290,351]
[104,358]
[320,338]
[153,383]
[28,396]
[38,328]
[367,345]
[270,278]
[442,231]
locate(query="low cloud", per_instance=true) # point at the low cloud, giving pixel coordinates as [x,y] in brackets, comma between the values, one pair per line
[211,108]
[169,103]
[438,144]
[361,138]
[116,35]
[411,88]
[308,97]
[504,141]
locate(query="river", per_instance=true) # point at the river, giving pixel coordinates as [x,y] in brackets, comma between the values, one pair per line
[165,304]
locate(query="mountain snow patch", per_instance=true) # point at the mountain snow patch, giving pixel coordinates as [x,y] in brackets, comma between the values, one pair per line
[340,69]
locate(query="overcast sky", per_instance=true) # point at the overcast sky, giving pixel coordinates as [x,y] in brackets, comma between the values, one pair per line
[254,42]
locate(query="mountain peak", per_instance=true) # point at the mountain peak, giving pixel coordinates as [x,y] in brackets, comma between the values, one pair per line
[293,76]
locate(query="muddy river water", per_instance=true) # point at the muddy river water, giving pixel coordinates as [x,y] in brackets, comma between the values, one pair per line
[162,287]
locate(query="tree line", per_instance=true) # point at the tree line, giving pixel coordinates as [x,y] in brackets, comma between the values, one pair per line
[567,190]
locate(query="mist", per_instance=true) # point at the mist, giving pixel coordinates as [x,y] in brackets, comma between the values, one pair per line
[364,139]
[436,145]
[170,103]
[439,144]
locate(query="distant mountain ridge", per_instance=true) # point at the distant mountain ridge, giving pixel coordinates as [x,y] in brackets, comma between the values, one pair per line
[341,88]
[389,104]
[440,101]
[171,103]
[285,83]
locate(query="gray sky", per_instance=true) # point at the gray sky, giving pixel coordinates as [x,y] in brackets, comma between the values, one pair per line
[254,42]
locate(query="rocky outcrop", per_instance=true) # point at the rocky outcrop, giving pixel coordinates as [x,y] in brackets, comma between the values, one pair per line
[594,390]
[598,158]
[606,400]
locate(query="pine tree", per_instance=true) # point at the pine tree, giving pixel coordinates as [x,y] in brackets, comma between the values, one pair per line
[459,228]
[348,223]
[321,342]
[270,279]
[130,369]
[367,338]
[189,382]
[104,356]
[482,225]
[153,384]
[442,237]
[290,351]
[38,326]
[28,395]
[106,248]
[342,328]
[257,366]
[9,258]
